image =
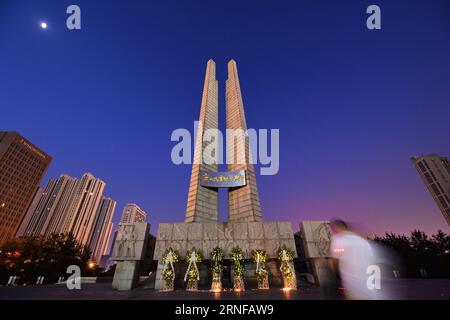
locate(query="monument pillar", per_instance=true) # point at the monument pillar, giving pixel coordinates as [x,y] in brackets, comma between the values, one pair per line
[202,202]
[243,202]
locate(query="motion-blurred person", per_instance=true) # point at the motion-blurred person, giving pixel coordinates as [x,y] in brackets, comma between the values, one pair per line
[354,260]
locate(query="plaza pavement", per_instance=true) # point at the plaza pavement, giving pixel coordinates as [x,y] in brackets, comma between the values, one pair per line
[429,289]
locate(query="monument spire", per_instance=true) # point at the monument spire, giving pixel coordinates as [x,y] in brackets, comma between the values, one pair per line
[202,201]
[243,202]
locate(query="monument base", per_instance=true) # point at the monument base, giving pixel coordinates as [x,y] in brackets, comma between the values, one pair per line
[204,236]
[315,240]
[130,253]
[322,273]
[126,275]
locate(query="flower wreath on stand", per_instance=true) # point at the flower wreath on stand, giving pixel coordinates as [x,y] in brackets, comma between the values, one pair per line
[260,257]
[192,274]
[286,256]
[237,257]
[168,275]
[216,257]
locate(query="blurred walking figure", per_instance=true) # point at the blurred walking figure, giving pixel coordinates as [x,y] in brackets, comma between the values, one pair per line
[353,261]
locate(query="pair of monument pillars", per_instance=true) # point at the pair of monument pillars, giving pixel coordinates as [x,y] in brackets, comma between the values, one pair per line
[243,202]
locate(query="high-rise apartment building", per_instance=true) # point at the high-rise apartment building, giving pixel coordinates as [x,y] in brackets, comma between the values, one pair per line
[70,205]
[84,206]
[132,213]
[49,215]
[108,240]
[22,167]
[435,173]
[26,220]
[101,229]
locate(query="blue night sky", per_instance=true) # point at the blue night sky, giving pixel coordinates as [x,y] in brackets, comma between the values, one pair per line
[352,105]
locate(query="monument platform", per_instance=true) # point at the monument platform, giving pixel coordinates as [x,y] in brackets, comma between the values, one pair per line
[204,236]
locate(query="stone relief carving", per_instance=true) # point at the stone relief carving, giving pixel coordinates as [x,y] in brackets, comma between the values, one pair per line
[322,238]
[127,237]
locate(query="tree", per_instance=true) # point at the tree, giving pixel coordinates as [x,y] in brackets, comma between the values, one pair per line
[31,257]
[442,242]
[419,251]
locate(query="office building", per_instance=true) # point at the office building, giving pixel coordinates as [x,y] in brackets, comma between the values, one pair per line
[22,167]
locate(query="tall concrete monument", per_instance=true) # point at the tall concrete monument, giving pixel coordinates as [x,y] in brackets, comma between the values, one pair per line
[243,201]
[245,227]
